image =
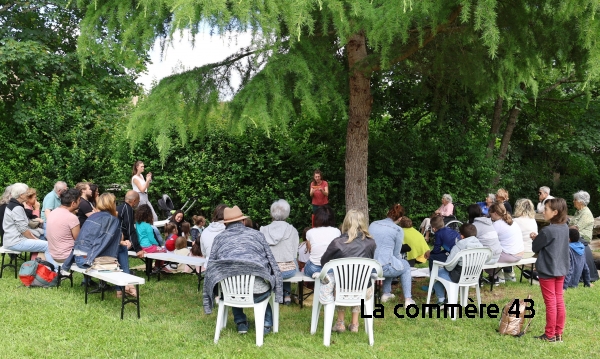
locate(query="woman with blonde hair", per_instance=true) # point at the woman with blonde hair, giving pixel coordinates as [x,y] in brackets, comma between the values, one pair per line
[355,241]
[502,197]
[525,217]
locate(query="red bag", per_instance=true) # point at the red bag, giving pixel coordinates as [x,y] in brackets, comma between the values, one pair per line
[45,276]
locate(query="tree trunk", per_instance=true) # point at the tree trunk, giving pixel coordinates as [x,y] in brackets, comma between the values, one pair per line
[496,121]
[510,126]
[357,136]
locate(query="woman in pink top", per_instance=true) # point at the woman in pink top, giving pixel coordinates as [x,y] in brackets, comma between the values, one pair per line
[445,210]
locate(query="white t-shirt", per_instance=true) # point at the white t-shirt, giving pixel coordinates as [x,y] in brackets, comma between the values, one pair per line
[319,239]
[527,226]
[142,181]
[511,239]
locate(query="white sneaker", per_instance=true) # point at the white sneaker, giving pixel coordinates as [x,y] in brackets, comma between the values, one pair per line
[386,297]
[408,302]
[65,273]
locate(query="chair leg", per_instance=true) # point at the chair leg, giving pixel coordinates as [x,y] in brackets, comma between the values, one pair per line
[275,309]
[452,297]
[224,319]
[316,308]
[259,322]
[2,268]
[219,322]
[369,322]
[329,310]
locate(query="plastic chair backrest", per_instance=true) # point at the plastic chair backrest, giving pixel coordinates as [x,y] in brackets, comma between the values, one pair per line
[472,264]
[352,277]
[238,289]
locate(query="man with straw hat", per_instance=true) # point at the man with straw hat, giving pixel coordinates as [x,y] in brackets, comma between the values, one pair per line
[242,250]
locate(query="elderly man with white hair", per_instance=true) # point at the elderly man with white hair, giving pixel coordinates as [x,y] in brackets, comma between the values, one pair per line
[17,236]
[52,199]
[543,196]
[283,239]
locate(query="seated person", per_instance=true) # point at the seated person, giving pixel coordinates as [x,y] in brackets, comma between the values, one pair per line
[283,239]
[62,227]
[171,236]
[485,205]
[355,241]
[303,252]
[389,238]
[578,269]
[445,210]
[467,241]
[17,235]
[240,250]
[511,240]
[486,233]
[419,250]
[445,240]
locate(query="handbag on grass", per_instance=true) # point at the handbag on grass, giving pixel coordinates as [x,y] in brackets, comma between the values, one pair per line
[513,317]
[105,263]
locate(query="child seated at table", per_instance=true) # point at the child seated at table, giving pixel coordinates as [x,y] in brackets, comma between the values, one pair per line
[468,240]
[445,239]
[171,234]
[196,251]
[181,249]
[578,268]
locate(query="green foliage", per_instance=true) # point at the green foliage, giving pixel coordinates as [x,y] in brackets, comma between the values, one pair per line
[55,122]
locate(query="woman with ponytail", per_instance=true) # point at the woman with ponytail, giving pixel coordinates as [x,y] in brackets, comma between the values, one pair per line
[509,234]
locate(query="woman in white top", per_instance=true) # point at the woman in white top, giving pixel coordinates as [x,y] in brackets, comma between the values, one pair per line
[318,238]
[511,240]
[525,218]
[141,184]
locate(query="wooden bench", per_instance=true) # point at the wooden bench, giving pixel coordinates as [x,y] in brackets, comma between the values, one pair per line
[300,278]
[497,267]
[175,258]
[117,278]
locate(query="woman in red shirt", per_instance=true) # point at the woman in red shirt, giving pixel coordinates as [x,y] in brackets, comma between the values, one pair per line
[319,190]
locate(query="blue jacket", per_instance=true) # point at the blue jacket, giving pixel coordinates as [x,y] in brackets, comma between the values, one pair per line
[445,239]
[389,238]
[577,267]
[99,236]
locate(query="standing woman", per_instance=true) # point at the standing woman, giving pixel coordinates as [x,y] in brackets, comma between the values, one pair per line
[319,191]
[389,238]
[583,221]
[552,248]
[140,185]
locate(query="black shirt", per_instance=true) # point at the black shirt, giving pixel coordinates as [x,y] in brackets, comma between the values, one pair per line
[85,207]
[125,214]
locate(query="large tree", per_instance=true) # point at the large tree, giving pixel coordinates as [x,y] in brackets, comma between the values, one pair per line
[318,58]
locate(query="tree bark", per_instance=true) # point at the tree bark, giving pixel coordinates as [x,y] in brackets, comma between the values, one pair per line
[357,135]
[496,121]
[510,126]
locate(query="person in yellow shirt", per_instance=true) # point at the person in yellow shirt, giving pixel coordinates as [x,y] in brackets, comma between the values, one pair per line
[419,250]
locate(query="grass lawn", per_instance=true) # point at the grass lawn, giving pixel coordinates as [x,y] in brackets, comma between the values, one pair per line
[53,323]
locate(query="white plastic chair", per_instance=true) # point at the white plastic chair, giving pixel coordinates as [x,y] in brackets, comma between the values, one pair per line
[352,277]
[472,264]
[238,291]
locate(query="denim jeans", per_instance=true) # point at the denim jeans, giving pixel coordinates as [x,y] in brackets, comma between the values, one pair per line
[30,245]
[239,316]
[311,268]
[389,273]
[287,286]
[123,259]
[438,287]
[80,261]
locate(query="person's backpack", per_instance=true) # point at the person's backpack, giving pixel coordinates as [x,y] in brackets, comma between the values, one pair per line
[38,273]
[513,317]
